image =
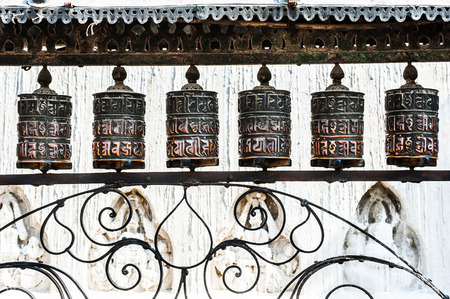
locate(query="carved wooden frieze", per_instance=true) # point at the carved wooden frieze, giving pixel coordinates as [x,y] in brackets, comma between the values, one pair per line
[219,42]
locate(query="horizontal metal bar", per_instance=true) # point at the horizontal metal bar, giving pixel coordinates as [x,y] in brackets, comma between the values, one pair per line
[209,177]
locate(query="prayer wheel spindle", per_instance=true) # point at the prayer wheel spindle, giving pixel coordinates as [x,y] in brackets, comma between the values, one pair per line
[44,128]
[412,123]
[192,125]
[264,125]
[119,126]
[337,125]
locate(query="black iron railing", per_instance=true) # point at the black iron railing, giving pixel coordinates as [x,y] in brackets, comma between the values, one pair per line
[258,212]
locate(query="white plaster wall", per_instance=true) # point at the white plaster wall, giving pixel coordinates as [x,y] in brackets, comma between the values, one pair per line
[426,203]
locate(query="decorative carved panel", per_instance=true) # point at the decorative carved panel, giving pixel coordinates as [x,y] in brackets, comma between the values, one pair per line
[220,42]
[381,214]
[20,242]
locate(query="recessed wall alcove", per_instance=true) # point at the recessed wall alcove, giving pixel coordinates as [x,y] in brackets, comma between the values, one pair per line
[382,214]
[20,242]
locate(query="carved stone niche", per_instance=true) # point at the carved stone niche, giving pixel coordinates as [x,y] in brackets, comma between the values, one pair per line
[20,242]
[272,278]
[382,215]
[142,226]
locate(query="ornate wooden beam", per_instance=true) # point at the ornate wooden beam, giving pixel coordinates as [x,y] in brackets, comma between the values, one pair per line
[221,43]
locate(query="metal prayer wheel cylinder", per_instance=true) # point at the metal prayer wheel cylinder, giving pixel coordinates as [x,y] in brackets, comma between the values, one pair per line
[337,125]
[44,128]
[119,126]
[412,123]
[192,125]
[264,125]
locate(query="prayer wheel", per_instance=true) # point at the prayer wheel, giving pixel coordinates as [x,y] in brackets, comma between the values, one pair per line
[412,123]
[264,125]
[44,128]
[192,125]
[119,126]
[337,125]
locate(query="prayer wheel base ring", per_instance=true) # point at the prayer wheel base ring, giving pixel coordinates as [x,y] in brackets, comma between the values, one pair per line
[412,162]
[192,163]
[119,165]
[44,166]
[337,163]
[265,162]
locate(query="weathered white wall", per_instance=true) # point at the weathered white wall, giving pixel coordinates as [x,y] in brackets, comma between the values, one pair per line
[425,204]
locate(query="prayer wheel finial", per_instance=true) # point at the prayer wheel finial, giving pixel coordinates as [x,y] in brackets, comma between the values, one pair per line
[44,80]
[410,75]
[44,77]
[119,75]
[192,75]
[337,74]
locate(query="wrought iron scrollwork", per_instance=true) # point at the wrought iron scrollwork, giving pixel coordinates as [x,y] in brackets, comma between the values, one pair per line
[349,286]
[58,278]
[257,219]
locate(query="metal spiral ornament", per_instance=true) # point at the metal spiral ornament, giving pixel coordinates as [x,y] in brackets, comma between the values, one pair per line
[129,268]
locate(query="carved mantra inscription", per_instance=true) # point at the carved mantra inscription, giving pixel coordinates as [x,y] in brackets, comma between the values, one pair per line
[412,123]
[125,103]
[337,125]
[44,105]
[264,124]
[192,126]
[118,127]
[44,130]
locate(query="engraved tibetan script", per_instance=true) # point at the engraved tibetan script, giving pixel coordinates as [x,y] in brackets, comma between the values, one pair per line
[118,127]
[336,148]
[43,151]
[277,146]
[192,126]
[118,149]
[44,129]
[194,147]
[264,125]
